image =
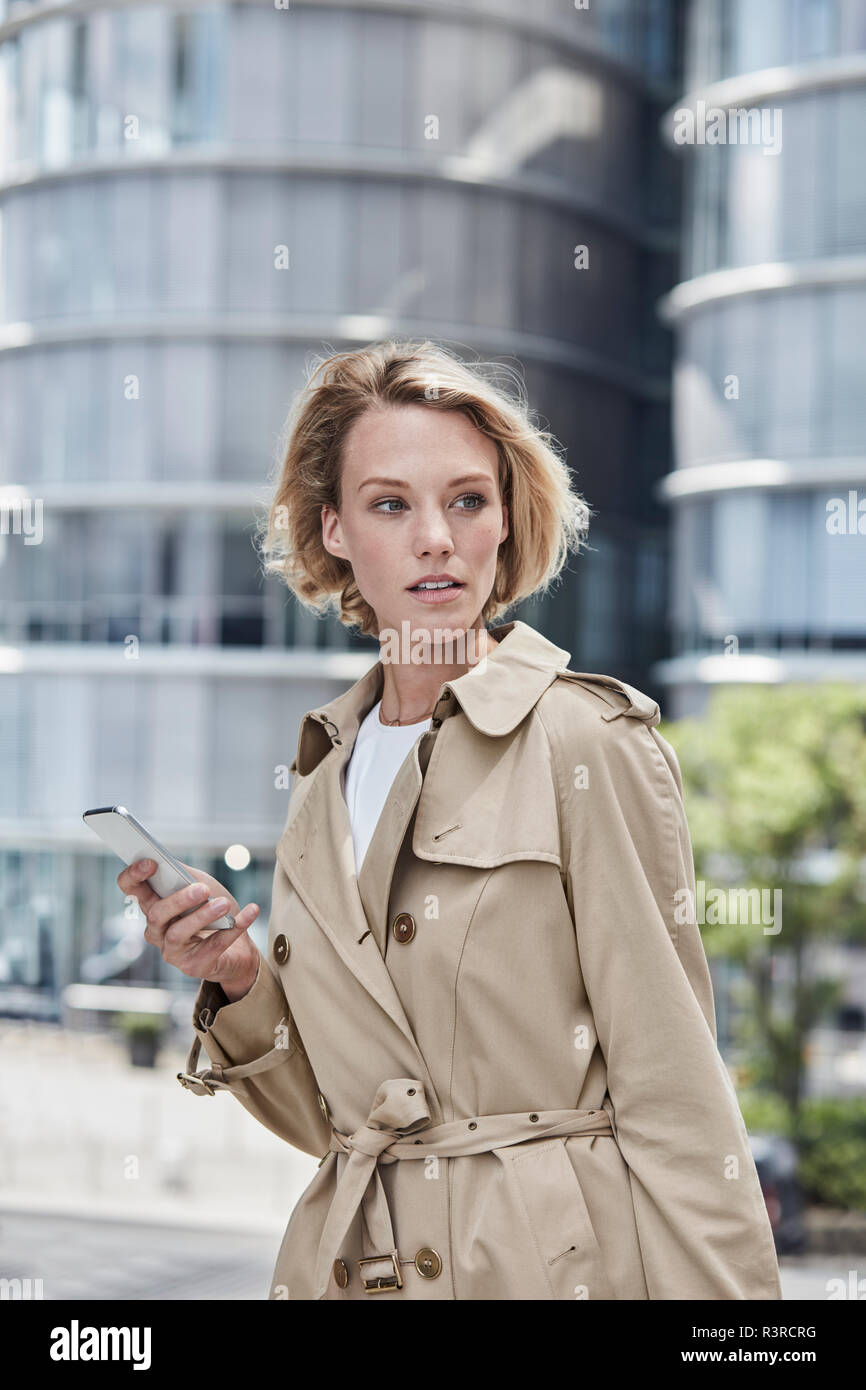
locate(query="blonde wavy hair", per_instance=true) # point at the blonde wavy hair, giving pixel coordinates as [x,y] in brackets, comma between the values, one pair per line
[547,518]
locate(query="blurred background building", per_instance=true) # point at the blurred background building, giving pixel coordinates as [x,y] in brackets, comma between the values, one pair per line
[769,400]
[193,197]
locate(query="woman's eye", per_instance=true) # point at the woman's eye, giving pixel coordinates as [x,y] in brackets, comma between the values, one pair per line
[473,496]
[476,497]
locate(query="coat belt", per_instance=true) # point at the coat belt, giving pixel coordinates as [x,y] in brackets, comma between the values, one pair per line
[398,1127]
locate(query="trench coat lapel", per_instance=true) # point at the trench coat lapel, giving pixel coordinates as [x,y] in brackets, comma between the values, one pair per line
[317,852]
[377,870]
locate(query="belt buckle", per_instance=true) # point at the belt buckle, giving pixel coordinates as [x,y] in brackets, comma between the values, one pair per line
[189,1079]
[378,1283]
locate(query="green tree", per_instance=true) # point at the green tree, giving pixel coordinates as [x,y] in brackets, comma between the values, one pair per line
[772,774]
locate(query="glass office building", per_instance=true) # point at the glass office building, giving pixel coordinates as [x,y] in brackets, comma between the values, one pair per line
[192,199]
[769,401]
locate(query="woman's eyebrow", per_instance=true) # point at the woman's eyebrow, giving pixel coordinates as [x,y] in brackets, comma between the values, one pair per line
[400,482]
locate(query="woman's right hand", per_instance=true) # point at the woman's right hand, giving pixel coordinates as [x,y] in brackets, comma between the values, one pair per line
[228,958]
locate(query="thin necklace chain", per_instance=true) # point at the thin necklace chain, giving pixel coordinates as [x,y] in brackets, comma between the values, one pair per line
[392,722]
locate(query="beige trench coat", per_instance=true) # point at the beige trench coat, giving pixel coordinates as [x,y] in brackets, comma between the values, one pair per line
[499,1037]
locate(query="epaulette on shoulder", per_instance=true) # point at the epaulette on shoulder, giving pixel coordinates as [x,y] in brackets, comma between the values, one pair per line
[619,697]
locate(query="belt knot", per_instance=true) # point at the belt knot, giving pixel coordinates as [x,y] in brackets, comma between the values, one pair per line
[371,1142]
[399,1108]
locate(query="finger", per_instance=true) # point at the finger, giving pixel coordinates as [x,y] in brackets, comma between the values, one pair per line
[186,931]
[188,926]
[131,881]
[206,951]
[134,873]
[164,912]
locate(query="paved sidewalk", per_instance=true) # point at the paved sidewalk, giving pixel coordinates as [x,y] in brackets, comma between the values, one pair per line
[65,1257]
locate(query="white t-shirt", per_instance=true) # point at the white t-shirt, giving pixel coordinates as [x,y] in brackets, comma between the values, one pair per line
[379,752]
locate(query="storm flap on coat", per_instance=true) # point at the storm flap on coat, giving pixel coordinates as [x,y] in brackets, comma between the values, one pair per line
[500,1036]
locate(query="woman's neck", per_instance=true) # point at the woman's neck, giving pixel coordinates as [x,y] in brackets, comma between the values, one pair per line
[410,689]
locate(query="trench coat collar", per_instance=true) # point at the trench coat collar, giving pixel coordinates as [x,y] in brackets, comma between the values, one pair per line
[495,695]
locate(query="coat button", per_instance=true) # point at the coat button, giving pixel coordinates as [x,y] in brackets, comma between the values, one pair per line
[281,950]
[404,927]
[428,1262]
[341,1273]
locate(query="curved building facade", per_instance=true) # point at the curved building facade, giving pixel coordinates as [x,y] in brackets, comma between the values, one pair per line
[769,490]
[192,198]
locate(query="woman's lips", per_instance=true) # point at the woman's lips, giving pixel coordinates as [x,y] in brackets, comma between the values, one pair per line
[437,595]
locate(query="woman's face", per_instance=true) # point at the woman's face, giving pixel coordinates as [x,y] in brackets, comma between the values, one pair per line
[420,496]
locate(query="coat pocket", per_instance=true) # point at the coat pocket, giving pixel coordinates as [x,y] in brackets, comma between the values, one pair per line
[566,1256]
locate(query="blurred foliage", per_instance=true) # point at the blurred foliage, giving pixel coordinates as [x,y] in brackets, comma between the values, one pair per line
[145,1025]
[770,775]
[831,1146]
[766,1112]
[832,1166]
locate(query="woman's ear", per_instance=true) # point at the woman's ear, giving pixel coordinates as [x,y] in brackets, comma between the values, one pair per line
[332,532]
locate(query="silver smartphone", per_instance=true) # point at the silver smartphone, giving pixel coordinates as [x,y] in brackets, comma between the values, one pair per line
[131,842]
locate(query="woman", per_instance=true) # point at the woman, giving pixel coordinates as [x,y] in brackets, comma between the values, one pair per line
[476,957]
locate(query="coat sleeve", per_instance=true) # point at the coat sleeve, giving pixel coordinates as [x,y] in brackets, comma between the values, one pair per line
[257,1036]
[702,1223]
